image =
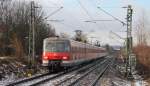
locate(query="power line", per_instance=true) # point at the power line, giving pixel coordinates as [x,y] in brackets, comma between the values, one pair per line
[93,21]
[111,32]
[102,20]
[53,12]
[75,18]
[81,5]
[112,16]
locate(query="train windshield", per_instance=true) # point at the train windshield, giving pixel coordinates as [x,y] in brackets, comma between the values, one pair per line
[57,46]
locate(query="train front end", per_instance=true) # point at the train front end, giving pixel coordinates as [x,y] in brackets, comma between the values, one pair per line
[54,52]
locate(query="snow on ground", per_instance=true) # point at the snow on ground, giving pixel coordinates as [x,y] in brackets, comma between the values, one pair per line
[12,70]
[141,83]
[114,78]
[3,58]
[139,80]
[10,78]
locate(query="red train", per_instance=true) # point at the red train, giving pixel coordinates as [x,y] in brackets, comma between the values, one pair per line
[66,52]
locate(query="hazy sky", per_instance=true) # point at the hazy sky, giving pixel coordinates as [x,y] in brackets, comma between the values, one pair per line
[76,12]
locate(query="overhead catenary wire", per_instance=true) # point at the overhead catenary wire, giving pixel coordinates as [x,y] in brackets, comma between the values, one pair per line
[68,25]
[58,21]
[81,5]
[53,12]
[112,16]
[102,21]
[108,25]
[75,18]
[115,39]
[113,33]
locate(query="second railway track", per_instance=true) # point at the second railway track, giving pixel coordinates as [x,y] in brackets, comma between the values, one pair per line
[67,77]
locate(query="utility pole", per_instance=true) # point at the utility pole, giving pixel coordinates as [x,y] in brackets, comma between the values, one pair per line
[32,35]
[129,40]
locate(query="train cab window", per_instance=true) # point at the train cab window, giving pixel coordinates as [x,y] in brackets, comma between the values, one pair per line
[57,46]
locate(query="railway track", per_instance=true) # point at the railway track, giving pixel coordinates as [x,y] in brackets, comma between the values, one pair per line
[83,80]
[27,79]
[78,77]
[40,79]
[37,79]
[101,73]
[67,76]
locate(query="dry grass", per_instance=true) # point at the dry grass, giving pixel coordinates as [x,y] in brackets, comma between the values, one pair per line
[143,59]
[17,45]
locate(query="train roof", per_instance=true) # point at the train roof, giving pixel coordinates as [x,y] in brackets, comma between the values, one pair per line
[72,41]
[55,38]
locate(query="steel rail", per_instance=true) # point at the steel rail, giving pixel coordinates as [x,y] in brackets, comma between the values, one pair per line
[83,69]
[57,76]
[48,76]
[91,70]
[48,79]
[101,74]
[27,79]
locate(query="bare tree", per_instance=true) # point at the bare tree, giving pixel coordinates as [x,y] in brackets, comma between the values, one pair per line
[79,36]
[141,30]
[142,49]
[15,18]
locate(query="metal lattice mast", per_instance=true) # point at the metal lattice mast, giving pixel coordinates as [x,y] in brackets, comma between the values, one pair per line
[129,38]
[32,35]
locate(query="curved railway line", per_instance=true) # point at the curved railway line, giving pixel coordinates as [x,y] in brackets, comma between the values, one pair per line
[69,77]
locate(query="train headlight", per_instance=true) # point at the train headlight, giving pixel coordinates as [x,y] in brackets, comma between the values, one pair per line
[65,57]
[45,57]
[45,61]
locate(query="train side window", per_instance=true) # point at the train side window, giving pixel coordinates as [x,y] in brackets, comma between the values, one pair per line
[72,49]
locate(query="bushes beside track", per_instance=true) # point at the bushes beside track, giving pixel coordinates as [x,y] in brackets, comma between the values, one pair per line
[143,59]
